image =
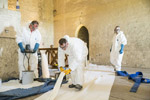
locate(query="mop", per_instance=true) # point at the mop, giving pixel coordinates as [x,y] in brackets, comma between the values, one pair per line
[52,94]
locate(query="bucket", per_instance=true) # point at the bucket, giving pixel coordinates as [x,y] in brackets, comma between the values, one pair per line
[27,77]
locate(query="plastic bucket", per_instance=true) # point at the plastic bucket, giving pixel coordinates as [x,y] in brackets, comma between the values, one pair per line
[27,77]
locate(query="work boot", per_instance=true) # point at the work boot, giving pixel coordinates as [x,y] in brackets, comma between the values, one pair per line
[20,81]
[115,70]
[72,86]
[78,86]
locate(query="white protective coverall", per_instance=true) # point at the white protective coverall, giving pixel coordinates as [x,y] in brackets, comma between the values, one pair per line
[77,53]
[28,37]
[115,56]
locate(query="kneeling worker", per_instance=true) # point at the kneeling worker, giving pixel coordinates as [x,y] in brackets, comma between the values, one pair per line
[77,52]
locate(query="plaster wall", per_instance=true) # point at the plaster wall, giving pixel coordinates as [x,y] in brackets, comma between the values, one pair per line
[10,22]
[100,18]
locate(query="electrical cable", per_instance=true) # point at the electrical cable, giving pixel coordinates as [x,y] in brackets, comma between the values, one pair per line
[28,58]
[29,63]
[23,61]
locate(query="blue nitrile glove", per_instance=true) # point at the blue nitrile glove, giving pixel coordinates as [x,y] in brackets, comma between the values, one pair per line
[21,47]
[36,47]
[121,50]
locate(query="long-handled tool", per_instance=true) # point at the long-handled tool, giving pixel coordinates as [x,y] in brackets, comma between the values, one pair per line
[27,75]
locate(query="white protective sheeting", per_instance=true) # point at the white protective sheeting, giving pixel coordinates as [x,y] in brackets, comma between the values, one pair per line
[52,94]
[97,85]
[14,84]
[45,69]
[115,56]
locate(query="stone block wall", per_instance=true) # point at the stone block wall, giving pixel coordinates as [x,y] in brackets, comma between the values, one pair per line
[10,23]
[8,57]
[100,18]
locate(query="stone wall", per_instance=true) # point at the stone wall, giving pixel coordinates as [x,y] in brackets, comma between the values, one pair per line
[100,17]
[8,57]
[10,22]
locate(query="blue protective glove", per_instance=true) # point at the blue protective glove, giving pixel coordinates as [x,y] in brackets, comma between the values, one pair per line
[36,47]
[21,47]
[121,50]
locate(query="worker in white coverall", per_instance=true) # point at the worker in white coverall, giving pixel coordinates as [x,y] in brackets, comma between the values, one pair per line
[117,49]
[77,52]
[28,35]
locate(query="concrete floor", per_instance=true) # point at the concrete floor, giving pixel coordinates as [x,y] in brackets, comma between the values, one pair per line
[121,87]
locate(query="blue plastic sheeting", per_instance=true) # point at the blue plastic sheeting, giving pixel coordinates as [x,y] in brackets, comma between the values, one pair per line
[137,78]
[21,93]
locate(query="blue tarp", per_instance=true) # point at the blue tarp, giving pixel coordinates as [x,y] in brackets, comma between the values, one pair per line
[21,93]
[137,78]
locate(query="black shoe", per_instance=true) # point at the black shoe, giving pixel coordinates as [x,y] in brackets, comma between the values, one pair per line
[20,81]
[72,86]
[79,87]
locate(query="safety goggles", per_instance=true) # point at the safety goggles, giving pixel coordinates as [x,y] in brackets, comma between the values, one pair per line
[63,46]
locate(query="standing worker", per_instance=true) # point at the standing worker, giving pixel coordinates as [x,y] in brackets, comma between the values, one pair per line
[117,49]
[77,52]
[29,35]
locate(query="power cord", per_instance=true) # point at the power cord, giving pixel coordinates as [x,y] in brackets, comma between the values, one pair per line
[28,58]
[23,61]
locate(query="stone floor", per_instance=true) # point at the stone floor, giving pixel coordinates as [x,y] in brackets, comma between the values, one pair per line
[122,86]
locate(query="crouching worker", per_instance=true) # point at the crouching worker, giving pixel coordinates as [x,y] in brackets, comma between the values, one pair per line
[77,52]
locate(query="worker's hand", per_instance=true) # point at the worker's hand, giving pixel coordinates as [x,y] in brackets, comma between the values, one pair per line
[67,71]
[61,69]
[21,47]
[23,50]
[33,51]
[121,50]
[36,47]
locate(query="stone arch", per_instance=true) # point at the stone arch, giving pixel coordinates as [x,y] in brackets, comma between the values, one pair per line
[83,34]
